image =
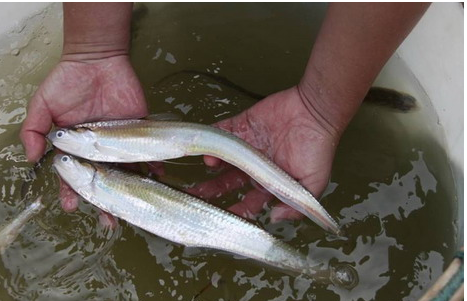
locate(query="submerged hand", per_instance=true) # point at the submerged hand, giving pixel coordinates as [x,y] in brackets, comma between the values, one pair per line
[76,92]
[287,128]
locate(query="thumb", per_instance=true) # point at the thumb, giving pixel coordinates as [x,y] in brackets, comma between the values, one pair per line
[36,125]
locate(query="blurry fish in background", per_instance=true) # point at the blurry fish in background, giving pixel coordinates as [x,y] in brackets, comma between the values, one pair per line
[400,102]
[10,231]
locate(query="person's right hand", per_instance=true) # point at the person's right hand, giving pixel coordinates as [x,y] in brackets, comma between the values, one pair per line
[290,129]
[81,91]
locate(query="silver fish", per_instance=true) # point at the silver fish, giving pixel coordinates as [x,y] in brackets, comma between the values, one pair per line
[138,140]
[177,216]
[10,231]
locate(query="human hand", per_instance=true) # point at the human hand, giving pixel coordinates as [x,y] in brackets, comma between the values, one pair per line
[81,91]
[288,128]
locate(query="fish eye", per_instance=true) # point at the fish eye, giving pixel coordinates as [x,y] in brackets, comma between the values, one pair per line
[60,134]
[65,159]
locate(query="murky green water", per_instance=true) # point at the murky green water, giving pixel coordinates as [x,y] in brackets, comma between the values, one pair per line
[391,184]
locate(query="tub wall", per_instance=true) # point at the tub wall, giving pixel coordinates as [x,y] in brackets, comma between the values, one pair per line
[434,52]
[13,14]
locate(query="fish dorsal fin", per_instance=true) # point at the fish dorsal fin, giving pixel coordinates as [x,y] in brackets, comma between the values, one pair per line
[110,123]
[168,116]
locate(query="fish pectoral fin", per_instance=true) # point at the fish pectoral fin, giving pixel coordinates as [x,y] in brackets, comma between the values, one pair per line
[164,117]
[111,151]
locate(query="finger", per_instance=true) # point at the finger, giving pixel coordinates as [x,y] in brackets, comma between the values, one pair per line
[212,161]
[36,125]
[68,198]
[216,164]
[226,182]
[252,204]
[284,212]
[107,220]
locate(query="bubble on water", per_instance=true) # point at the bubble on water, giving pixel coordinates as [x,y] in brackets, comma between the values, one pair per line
[184,108]
[214,86]
[169,99]
[345,276]
[169,57]
[221,114]
[158,54]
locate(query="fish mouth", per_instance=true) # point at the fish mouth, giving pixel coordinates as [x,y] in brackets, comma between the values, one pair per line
[57,160]
[55,163]
[58,157]
[50,136]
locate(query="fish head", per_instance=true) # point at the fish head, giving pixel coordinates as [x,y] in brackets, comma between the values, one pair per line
[73,141]
[75,173]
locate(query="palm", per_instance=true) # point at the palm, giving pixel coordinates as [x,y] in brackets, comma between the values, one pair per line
[107,90]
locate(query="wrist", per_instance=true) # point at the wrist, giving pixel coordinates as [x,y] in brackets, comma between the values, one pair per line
[94,31]
[88,52]
[333,106]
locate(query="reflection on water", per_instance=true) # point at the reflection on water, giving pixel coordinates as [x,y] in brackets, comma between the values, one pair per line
[391,187]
